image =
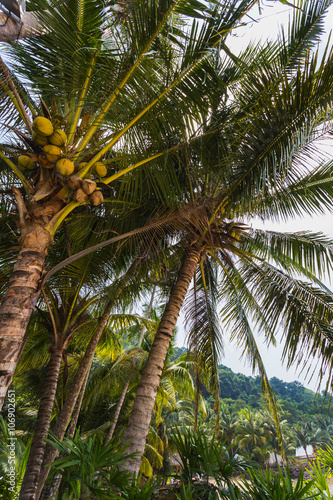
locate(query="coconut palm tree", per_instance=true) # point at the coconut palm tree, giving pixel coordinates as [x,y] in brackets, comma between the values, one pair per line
[302,432]
[267,117]
[122,90]
[251,434]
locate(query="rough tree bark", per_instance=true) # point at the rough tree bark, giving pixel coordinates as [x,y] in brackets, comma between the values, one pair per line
[23,287]
[10,30]
[138,425]
[122,396]
[29,484]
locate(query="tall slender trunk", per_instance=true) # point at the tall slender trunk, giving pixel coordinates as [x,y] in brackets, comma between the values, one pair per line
[29,484]
[82,372]
[138,425]
[51,492]
[119,406]
[197,397]
[18,303]
[68,408]
[122,396]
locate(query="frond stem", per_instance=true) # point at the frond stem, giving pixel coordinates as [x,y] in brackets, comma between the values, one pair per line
[18,172]
[81,99]
[13,89]
[107,106]
[60,216]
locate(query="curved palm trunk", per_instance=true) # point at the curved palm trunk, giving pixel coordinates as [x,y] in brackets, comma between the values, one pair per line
[51,492]
[68,408]
[79,379]
[138,425]
[18,303]
[121,399]
[29,484]
[119,406]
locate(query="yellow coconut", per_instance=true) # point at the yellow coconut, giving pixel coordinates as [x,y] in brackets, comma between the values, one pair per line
[41,140]
[58,138]
[42,126]
[26,163]
[53,153]
[44,162]
[99,169]
[65,166]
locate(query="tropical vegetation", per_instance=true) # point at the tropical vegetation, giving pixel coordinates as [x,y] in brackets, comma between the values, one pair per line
[136,149]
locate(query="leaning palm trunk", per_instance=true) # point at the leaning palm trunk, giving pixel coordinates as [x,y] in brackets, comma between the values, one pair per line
[138,425]
[51,493]
[68,408]
[79,381]
[23,288]
[122,396]
[29,484]
[119,406]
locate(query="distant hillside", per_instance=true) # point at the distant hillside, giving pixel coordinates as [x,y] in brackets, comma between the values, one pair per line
[294,399]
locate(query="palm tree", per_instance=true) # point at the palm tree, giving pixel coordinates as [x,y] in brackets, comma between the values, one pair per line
[127,88]
[227,424]
[264,122]
[251,435]
[302,432]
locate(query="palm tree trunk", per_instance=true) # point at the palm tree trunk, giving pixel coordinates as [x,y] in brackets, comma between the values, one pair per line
[121,400]
[77,409]
[51,492]
[138,425]
[120,403]
[68,408]
[18,303]
[197,396]
[10,30]
[79,379]
[29,484]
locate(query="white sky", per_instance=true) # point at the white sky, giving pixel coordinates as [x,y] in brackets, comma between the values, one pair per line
[273,15]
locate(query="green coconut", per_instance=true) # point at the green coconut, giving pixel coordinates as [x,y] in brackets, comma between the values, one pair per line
[99,169]
[58,138]
[42,126]
[53,153]
[65,166]
[26,163]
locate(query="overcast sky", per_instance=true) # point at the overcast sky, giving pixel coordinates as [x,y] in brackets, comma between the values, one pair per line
[273,15]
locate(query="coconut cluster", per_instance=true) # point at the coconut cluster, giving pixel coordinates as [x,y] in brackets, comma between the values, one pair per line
[53,143]
[86,190]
